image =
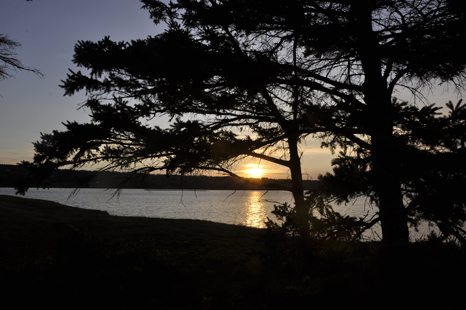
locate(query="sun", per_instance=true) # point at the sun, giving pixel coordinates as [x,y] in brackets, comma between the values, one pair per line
[255,172]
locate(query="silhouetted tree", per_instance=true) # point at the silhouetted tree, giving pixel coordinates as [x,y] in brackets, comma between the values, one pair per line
[431,168]
[255,78]
[360,53]
[8,59]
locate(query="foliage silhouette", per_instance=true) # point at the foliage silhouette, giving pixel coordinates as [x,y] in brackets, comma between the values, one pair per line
[256,78]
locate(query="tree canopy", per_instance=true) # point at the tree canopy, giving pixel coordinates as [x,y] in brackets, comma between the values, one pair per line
[255,78]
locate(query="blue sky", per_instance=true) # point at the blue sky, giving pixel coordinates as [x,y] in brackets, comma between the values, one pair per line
[48,31]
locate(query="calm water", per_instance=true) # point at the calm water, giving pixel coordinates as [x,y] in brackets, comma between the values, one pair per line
[249,208]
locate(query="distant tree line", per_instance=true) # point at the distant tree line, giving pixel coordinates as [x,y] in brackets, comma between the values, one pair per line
[13,176]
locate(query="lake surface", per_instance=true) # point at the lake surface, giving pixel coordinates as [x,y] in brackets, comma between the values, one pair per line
[245,207]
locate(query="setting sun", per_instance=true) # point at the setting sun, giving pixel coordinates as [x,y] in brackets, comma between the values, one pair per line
[255,172]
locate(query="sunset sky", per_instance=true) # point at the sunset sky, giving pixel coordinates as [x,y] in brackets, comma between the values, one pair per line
[47,31]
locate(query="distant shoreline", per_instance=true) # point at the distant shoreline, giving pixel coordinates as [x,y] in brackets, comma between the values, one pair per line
[14,176]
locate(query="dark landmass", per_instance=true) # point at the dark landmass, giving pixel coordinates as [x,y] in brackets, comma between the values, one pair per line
[58,257]
[13,176]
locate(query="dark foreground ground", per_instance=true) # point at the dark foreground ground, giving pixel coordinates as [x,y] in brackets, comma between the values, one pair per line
[58,257]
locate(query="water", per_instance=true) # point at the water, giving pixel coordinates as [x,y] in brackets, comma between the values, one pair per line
[245,207]
[249,208]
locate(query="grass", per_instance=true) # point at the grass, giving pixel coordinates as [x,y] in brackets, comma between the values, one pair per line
[63,257]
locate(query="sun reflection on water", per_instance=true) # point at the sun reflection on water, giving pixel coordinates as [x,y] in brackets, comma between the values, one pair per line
[255,211]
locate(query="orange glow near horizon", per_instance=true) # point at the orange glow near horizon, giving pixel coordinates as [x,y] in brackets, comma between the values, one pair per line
[255,172]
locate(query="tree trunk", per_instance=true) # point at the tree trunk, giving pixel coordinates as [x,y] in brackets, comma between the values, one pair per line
[385,171]
[297,189]
[379,125]
[386,166]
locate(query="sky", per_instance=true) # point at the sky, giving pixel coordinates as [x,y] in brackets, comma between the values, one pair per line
[47,31]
